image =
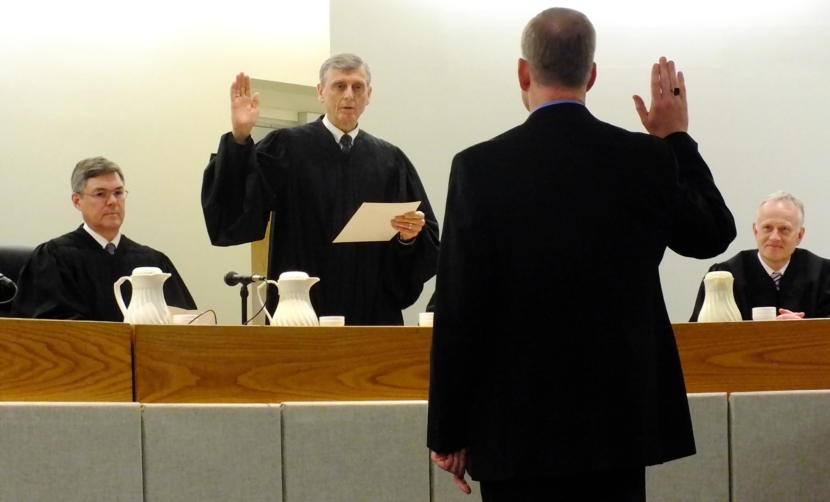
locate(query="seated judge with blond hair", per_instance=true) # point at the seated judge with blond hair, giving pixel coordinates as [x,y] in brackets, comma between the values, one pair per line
[778,273]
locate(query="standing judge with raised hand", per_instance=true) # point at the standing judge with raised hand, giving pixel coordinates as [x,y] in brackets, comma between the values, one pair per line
[554,370]
[313,178]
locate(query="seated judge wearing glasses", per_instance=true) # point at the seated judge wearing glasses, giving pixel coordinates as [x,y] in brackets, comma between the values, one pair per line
[72,276]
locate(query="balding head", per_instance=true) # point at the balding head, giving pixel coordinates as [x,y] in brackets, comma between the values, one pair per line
[559,46]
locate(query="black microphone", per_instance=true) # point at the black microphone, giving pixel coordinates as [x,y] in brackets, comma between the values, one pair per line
[232,278]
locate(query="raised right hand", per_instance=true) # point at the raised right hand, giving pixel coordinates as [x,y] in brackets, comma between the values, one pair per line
[244,108]
[669,112]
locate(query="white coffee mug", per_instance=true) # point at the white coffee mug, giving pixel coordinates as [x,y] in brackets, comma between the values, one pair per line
[763,313]
[332,320]
[425,318]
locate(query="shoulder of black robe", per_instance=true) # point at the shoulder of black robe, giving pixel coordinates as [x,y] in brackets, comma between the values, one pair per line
[805,287]
[823,286]
[49,282]
[410,265]
[135,255]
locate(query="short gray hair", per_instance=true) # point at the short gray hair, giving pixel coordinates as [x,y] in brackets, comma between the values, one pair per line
[784,196]
[90,168]
[559,45]
[344,62]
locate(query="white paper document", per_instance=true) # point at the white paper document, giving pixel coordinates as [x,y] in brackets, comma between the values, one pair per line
[372,221]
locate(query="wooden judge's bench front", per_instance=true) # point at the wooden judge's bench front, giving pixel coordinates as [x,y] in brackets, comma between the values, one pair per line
[45,360]
[110,411]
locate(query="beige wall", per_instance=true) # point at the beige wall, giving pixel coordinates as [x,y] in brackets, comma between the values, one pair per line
[144,84]
[147,87]
[444,75]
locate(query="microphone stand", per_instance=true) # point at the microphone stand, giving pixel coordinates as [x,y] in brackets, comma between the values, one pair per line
[232,279]
[243,295]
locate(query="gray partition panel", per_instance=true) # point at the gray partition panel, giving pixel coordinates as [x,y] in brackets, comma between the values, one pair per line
[780,446]
[703,477]
[212,452]
[70,452]
[347,452]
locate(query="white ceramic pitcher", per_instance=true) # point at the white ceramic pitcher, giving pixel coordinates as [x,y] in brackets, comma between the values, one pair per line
[719,302]
[294,307]
[147,305]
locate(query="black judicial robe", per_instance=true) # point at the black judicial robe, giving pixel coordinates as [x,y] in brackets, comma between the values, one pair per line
[72,277]
[805,287]
[552,351]
[313,189]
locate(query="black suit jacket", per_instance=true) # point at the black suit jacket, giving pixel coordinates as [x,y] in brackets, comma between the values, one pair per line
[552,350]
[805,287]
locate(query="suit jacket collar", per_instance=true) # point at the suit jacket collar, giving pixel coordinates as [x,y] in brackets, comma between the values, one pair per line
[562,111]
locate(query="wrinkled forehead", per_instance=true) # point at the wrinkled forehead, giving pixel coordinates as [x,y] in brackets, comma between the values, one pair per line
[778,212]
[108,181]
[353,76]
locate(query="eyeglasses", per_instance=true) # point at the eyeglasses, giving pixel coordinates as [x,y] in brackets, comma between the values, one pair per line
[104,195]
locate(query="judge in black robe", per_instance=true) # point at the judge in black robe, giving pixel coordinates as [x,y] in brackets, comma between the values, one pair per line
[301,176]
[805,287]
[72,277]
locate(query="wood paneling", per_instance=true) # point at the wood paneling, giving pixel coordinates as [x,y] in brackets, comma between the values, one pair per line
[754,356]
[45,360]
[200,364]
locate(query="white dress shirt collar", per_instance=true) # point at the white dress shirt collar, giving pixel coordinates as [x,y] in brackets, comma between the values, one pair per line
[769,269]
[337,133]
[100,238]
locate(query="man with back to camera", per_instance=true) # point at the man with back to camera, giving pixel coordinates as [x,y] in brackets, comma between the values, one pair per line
[777,273]
[72,276]
[539,406]
[314,177]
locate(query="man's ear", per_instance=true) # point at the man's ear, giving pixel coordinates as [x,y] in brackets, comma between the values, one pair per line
[593,78]
[524,74]
[320,92]
[76,200]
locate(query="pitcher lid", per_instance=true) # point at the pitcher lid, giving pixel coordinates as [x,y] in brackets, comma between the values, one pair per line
[718,274]
[291,276]
[146,271]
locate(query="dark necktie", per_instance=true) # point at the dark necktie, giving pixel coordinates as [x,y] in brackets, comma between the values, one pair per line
[110,247]
[346,143]
[776,278]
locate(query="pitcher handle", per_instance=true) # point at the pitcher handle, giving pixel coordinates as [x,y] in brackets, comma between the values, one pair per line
[118,298]
[262,301]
